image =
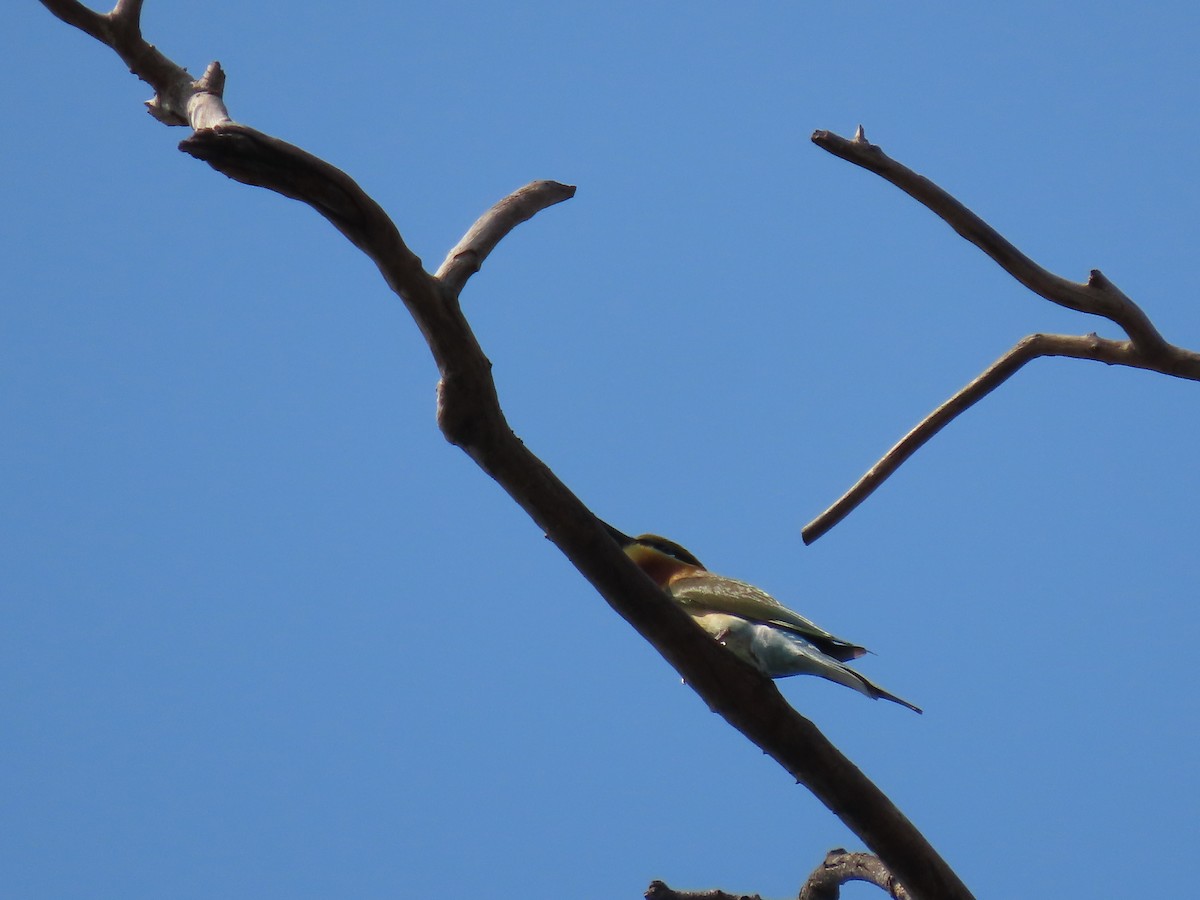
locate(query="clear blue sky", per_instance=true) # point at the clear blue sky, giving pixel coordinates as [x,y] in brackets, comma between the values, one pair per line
[265,634]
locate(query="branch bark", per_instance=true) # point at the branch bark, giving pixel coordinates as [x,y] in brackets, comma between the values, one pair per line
[825,882]
[659,890]
[1145,349]
[838,867]
[470,417]
[520,206]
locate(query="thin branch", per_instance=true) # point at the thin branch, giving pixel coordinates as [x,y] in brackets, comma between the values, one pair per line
[470,417]
[520,206]
[1180,363]
[1146,348]
[825,883]
[1098,296]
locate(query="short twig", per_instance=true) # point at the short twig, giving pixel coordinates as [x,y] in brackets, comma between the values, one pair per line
[520,206]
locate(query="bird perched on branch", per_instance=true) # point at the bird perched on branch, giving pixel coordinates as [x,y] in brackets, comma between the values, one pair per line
[747,620]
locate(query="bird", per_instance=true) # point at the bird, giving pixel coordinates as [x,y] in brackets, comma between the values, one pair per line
[747,620]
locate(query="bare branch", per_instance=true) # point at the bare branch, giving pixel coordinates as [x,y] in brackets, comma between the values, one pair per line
[1145,349]
[520,206]
[658,890]
[1180,363]
[126,19]
[130,10]
[825,883]
[177,99]
[254,158]
[1098,296]
[470,417]
[98,25]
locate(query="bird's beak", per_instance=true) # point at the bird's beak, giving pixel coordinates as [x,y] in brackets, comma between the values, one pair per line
[620,537]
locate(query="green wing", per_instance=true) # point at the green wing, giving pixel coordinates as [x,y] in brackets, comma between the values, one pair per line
[708,593]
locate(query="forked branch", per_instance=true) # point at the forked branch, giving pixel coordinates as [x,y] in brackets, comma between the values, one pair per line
[1097,296]
[1145,349]
[470,417]
[178,99]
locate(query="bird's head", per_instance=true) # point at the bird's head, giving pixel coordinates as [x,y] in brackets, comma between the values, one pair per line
[656,556]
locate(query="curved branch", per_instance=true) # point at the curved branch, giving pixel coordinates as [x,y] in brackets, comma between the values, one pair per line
[1145,349]
[1098,296]
[520,206]
[470,417]
[825,883]
[252,157]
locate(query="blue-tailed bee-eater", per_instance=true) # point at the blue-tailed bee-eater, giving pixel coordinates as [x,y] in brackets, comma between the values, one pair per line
[749,621]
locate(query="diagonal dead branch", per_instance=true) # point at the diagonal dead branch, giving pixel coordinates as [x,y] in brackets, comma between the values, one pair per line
[520,206]
[1180,363]
[470,417]
[1146,348]
[838,867]
[1098,296]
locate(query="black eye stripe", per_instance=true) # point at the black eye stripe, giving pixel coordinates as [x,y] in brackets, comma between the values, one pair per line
[670,548]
